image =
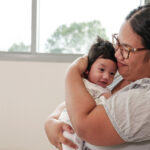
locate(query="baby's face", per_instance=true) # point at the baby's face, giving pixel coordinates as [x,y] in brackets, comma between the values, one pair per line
[102,72]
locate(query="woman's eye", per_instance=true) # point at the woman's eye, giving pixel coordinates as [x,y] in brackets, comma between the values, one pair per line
[101,69]
[127,48]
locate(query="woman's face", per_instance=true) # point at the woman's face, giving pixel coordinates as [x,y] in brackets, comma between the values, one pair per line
[135,67]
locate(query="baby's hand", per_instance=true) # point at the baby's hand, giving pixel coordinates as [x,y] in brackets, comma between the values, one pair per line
[107,95]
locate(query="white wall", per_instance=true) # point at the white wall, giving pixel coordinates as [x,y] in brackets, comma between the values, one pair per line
[29,92]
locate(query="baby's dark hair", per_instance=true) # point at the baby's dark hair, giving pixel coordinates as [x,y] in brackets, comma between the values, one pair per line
[101,49]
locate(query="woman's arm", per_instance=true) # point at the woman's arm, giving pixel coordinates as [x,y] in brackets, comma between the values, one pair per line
[89,120]
[54,129]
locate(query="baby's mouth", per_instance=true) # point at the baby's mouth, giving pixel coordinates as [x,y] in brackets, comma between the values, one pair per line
[102,84]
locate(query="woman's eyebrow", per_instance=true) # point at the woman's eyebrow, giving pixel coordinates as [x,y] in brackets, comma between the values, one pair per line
[124,44]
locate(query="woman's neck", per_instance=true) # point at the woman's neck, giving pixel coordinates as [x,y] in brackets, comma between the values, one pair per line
[120,85]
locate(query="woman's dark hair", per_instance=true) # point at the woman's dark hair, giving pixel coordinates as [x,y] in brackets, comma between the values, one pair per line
[100,49]
[139,20]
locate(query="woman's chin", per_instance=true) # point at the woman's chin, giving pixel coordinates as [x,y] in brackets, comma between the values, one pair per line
[123,72]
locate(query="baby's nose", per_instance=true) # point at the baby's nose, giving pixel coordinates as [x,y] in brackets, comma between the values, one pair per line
[106,76]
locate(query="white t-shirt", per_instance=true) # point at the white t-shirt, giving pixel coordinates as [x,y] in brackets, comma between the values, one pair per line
[129,113]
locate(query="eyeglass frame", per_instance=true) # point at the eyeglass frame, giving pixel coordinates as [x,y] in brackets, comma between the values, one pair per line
[120,45]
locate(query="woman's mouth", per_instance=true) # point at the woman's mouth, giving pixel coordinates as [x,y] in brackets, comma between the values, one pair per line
[121,64]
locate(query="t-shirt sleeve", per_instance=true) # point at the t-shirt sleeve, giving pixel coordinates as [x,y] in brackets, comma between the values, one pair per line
[129,111]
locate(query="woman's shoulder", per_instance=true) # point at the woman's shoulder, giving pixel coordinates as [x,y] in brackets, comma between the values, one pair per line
[140,84]
[128,110]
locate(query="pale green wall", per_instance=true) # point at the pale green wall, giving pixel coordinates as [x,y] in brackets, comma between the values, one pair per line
[147,1]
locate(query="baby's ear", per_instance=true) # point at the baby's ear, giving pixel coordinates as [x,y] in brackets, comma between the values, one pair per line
[85,74]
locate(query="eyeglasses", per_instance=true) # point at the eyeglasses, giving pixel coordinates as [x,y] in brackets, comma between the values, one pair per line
[125,49]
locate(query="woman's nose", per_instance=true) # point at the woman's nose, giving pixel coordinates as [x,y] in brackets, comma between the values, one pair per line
[118,54]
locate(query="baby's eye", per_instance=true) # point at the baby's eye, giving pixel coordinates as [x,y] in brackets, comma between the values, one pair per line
[102,69]
[112,73]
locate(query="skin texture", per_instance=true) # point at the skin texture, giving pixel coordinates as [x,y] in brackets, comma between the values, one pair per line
[89,121]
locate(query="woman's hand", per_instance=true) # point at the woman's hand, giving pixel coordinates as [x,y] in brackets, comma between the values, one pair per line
[80,64]
[54,130]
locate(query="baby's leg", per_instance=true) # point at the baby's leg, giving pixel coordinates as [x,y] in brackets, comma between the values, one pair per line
[75,139]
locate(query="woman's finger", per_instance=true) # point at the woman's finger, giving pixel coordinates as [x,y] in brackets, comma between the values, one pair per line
[69,143]
[59,146]
[67,128]
[66,139]
[61,139]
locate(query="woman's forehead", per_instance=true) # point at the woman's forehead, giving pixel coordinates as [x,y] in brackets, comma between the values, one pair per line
[128,36]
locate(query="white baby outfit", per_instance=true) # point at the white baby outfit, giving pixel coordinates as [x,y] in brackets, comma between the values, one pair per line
[95,91]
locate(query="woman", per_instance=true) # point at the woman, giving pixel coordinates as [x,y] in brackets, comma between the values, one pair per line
[124,119]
